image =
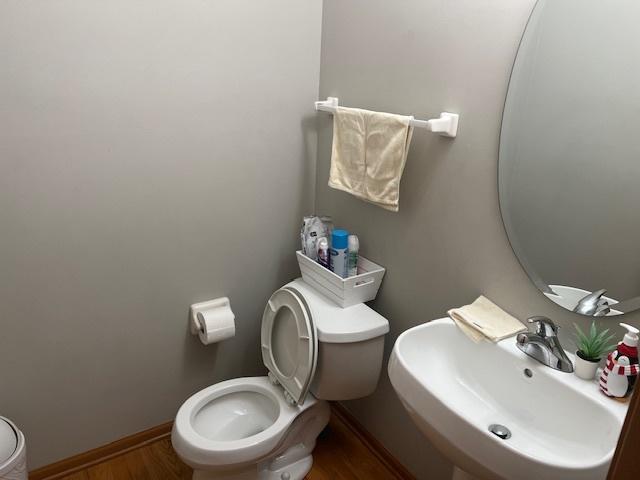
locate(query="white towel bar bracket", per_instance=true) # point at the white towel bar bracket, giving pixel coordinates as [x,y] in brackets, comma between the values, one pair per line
[446,125]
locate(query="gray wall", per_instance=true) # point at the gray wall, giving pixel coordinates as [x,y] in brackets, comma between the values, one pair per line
[569,156]
[152,155]
[447,244]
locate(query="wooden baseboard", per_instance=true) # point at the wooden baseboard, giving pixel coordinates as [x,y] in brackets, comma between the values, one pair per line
[98,455]
[101,454]
[372,443]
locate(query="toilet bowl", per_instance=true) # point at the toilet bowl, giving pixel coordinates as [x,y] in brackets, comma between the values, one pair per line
[265,428]
[228,429]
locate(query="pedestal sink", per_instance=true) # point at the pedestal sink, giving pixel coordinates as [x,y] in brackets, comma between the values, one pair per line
[497,413]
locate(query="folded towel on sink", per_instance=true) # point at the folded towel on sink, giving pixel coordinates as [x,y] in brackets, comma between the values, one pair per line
[484,319]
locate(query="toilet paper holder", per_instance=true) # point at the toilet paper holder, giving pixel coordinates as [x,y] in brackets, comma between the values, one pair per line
[195,325]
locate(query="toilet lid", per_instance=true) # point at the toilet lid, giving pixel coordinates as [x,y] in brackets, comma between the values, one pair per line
[289,343]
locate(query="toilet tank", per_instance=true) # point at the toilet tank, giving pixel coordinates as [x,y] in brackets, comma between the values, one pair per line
[350,346]
[347,370]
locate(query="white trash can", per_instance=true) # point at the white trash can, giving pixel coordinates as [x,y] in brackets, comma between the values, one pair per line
[13,452]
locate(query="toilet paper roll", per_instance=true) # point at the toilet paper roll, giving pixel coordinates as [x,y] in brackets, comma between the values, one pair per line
[216,324]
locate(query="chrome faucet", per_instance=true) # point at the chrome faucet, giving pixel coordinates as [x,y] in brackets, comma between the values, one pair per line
[593,304]
[543,344]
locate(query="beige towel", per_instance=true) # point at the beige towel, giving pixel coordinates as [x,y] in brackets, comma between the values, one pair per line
[369,153]
[484,319]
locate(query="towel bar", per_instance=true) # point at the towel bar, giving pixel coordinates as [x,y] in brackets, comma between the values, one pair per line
[446,125]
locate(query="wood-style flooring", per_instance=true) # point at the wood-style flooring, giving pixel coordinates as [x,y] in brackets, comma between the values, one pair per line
[339,455]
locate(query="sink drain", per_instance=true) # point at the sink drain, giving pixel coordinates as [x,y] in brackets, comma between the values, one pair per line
[500,431]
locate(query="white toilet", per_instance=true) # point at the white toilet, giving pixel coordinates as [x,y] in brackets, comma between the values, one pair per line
[266,427]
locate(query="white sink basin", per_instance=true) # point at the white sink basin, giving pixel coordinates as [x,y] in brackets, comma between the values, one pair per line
[562,427]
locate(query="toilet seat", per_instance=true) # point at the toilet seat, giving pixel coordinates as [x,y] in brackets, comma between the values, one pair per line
[289,343]
[190,442]
[289,351]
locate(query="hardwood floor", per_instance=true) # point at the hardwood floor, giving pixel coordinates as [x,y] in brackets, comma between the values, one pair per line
[339,455]
[154,461]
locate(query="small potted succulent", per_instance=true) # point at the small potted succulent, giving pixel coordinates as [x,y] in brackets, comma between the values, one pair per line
[592,346]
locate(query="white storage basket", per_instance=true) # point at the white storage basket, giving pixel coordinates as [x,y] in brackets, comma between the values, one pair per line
[343,291]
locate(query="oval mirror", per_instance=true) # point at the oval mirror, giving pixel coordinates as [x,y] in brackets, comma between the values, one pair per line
[569,162]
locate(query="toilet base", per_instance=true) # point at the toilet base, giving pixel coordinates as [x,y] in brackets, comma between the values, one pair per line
[294,471]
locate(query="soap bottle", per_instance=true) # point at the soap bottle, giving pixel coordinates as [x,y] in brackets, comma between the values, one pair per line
[621,370]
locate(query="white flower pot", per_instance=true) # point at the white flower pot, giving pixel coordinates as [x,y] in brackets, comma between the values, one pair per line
[585,369]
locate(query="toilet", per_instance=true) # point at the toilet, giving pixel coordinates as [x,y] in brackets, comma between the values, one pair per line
[266,427]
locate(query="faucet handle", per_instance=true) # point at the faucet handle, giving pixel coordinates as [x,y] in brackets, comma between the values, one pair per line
[599,293]
[544,326]
[603,309]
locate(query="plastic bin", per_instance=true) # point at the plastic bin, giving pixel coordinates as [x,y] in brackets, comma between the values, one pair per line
[343,291]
